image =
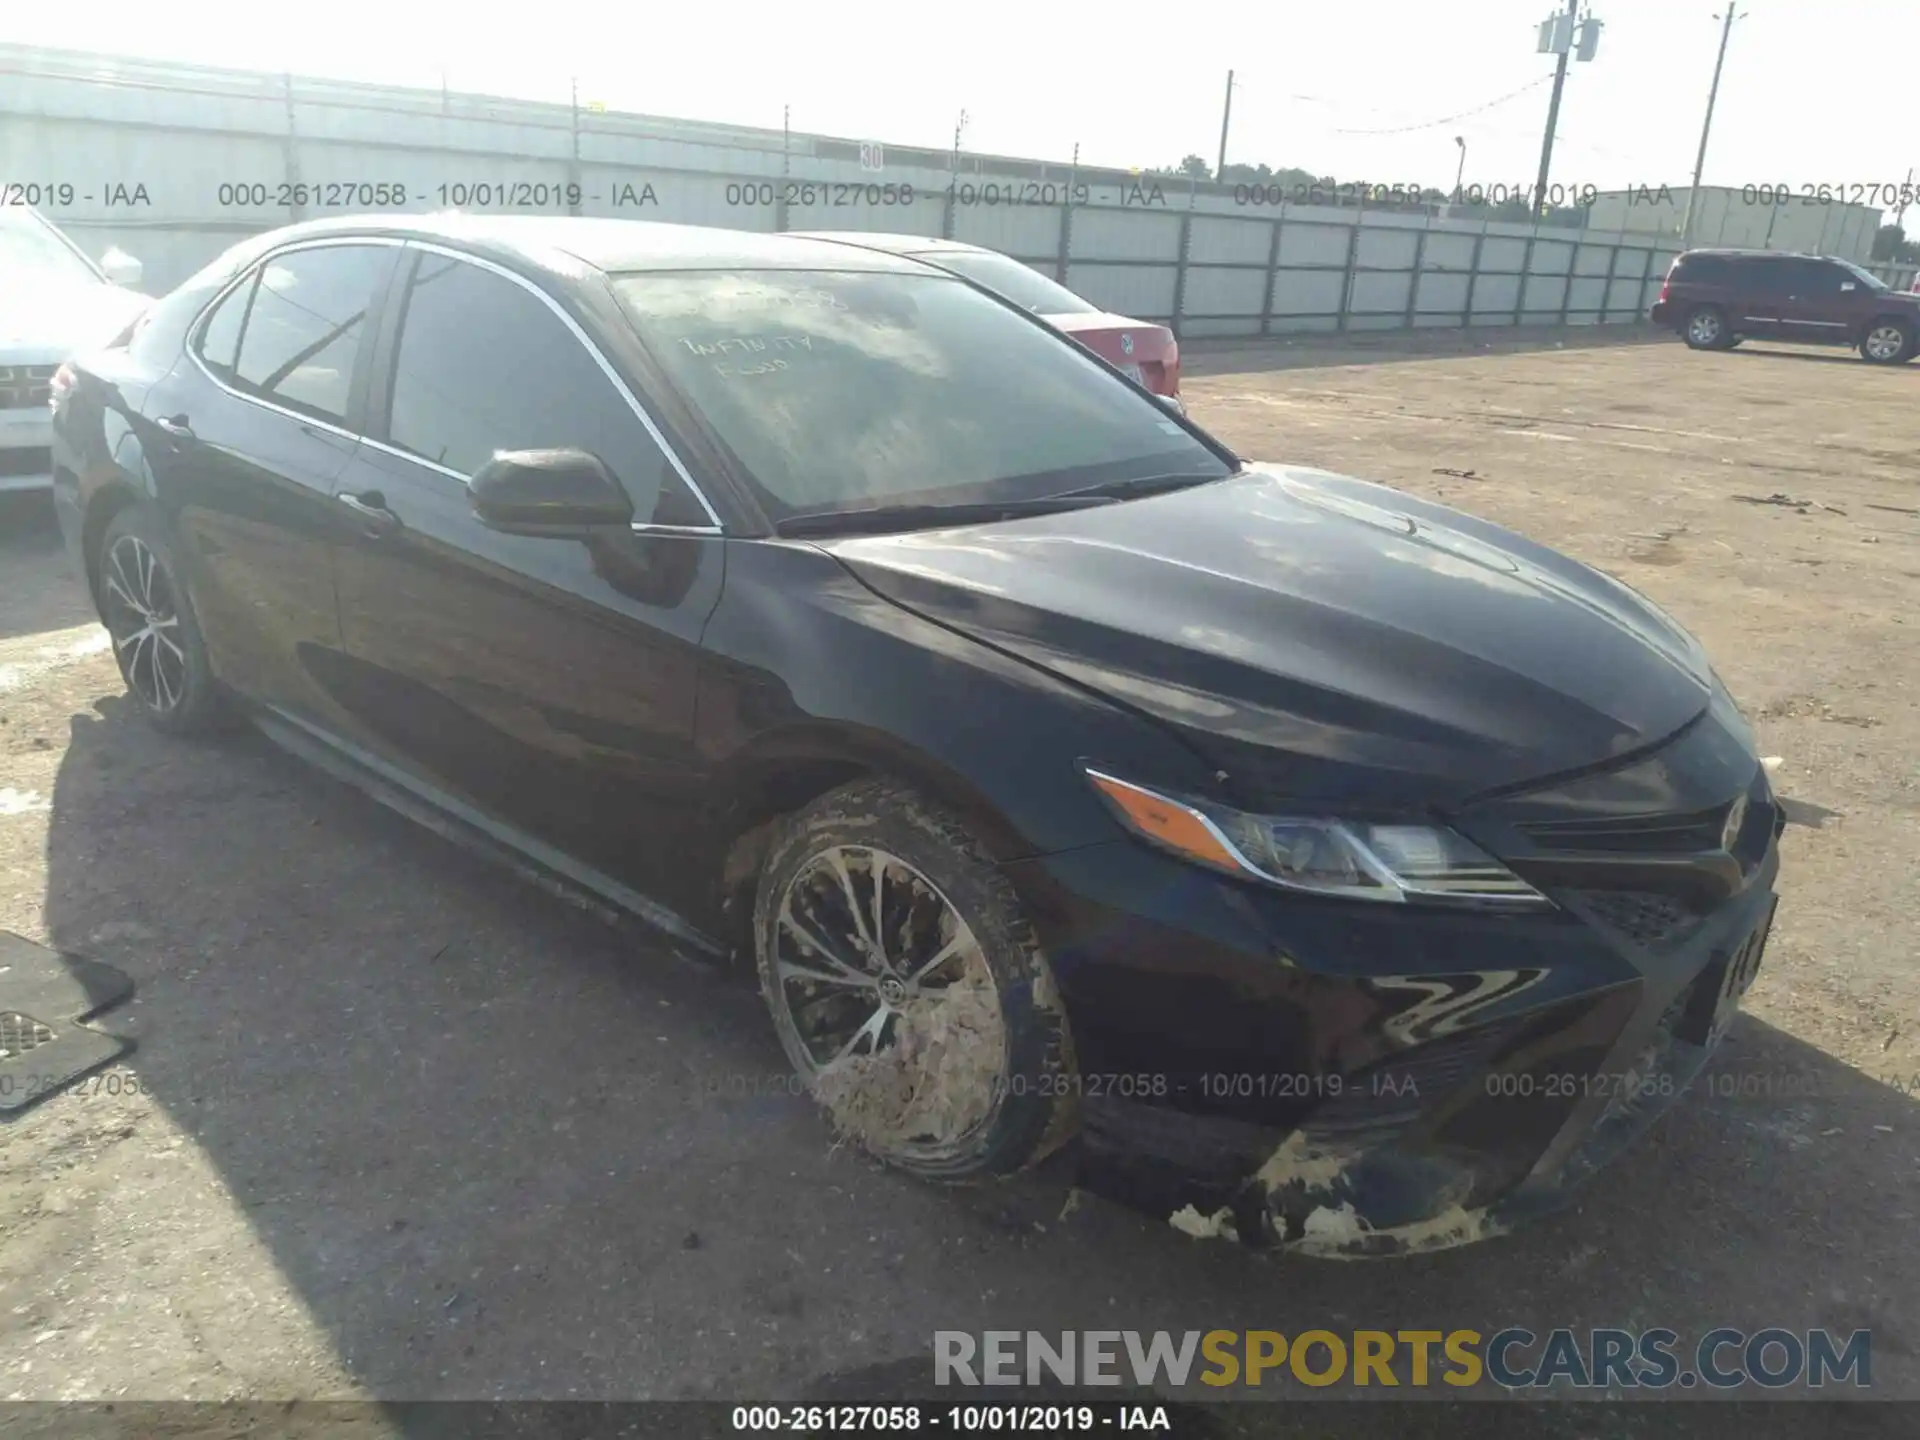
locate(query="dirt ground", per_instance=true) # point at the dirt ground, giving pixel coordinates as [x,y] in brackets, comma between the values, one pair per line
[401,1126]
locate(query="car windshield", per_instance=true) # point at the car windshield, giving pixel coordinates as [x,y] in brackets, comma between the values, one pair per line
[1866,277]
[31,253]
[1010,280]
[850,391]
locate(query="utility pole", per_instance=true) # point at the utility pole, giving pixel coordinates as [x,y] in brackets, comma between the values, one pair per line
[1906,196]
[947,216]
[1553,113]
[1706,128]
[1226,115]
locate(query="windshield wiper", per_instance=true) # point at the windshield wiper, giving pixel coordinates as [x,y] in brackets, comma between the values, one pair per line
[879,519]
[1139,486]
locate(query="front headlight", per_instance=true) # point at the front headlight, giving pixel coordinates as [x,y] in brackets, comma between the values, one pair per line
[1354,860]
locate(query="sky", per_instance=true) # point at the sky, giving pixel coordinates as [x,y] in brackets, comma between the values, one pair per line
[1362,91]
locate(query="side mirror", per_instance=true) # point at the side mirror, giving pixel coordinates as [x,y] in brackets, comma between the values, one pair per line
[558,493]
[1173,403]
[120,267]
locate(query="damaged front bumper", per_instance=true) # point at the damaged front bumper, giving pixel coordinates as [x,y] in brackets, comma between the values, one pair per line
[1339,1081]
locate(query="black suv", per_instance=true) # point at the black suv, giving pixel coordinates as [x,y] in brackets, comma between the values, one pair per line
[1717,298]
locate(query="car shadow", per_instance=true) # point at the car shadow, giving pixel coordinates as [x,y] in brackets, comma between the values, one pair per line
[38,590]
[1203,357]
[499,1148]
[1835,356]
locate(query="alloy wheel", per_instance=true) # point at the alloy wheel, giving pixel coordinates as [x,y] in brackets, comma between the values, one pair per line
[1704,328]
[1884,342]
[885,1003]
[144,622]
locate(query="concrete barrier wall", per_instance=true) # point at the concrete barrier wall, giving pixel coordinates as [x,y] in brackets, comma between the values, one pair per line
[173,164]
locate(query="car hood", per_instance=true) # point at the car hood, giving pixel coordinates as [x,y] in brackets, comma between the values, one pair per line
[1314,637]
[41,320]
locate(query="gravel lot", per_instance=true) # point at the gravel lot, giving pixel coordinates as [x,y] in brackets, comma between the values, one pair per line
[401,1126]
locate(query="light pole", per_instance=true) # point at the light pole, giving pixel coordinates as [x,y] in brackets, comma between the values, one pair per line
[1460,174]
[1706,126]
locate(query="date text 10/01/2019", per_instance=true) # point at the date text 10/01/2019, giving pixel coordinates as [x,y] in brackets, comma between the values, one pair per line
[958,1419]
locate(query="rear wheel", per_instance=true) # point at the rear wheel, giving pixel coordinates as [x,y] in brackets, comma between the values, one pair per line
[1706,329]
[156,639]
[908,988]
[1888,342]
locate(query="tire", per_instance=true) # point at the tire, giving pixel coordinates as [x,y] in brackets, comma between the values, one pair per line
[1887,342]
[969,1070]
[1706,329]
[156,637]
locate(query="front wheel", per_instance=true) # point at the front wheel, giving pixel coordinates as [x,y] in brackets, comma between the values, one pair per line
[908,988]
[1888,342]
[156,638]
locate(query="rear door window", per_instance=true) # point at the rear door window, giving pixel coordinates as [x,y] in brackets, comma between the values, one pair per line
[297,326]
[1771,278]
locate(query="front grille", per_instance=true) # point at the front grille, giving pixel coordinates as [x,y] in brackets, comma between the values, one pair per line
[1676,834]
[29,460]
[26,387]
[1643,916]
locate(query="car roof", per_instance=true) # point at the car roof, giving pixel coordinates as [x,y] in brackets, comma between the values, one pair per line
[565,242]
[1729,253]
[893,244]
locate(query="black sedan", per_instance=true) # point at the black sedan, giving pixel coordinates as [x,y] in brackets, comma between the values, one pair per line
[1330,869]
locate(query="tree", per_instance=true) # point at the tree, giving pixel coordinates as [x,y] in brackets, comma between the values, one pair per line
[1196,167]
[1891,244]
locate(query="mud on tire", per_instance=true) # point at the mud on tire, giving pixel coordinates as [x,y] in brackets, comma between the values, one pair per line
[973,1074]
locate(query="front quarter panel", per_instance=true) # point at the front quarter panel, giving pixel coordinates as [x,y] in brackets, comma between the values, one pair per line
[807,663]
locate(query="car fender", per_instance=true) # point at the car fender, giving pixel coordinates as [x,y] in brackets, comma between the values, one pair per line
[808,669]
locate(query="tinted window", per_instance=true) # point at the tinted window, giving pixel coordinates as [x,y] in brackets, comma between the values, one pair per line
[1702,270]
[485,365]
[1767,277]
[303,330]
[844,390]
[1866,279]
[220,335]
[169,320]
[1009,279]
[1813,278]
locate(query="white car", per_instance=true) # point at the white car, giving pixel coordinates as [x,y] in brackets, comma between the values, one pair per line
[54,301]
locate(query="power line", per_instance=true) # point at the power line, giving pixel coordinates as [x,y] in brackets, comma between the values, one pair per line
[1449,119]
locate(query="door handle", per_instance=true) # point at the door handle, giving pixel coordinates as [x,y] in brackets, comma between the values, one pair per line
[370,507]
[174,426]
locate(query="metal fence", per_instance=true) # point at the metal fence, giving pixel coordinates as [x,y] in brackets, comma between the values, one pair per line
[173,163]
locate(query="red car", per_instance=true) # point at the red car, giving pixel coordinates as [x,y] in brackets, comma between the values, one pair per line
[1146,352]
